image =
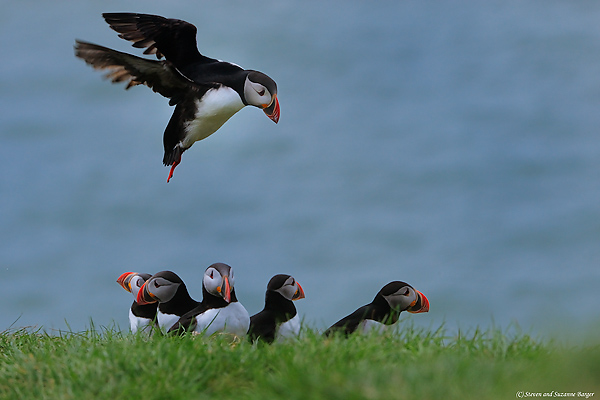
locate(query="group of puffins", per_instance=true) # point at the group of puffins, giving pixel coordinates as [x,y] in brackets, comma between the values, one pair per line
[206,92]
[163,304]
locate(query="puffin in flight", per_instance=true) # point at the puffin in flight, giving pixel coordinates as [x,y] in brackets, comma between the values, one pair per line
[384,310]
[205,92]
[220,310]
[141,317]
[278,319]
[169,290]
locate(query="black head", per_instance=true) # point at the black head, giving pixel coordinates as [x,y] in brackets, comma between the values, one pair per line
[403,297]
[160,287]
[261,91]
[287,286]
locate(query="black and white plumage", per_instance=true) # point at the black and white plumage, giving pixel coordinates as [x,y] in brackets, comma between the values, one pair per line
[141,317]
[279,318]
[220,310]
[206,92]
[384,310]
[169,290]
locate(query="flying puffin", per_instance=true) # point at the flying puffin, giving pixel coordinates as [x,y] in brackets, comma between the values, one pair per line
[385,309]
[219,311]
[141,317]
[279,318]
[205,92]
[166,288]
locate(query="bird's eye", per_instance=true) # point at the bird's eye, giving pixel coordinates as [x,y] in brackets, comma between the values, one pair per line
[261,92]
[211,274]
[156,284]
[407,292]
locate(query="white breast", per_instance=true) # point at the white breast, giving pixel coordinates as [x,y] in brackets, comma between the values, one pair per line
[231,319]
[368,325]
[288,329]
[213,110]
[165,321]
[139,324]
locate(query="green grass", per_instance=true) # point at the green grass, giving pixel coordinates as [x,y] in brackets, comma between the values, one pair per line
[412,364]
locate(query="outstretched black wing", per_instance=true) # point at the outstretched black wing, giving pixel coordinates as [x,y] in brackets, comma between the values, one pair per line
[161,76]
[172,38]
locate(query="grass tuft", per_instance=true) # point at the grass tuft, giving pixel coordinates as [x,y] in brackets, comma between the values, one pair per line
[412,363]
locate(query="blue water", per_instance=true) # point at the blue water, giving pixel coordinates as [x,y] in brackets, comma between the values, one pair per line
[452,145]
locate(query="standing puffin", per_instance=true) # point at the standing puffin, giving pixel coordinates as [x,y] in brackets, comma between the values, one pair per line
[166,288]
[219,311]
[205,92]
[279,318]
[141,317]
[385,309]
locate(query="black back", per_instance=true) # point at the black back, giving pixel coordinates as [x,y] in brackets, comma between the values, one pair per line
[378,310]
[277,310]
[187,322]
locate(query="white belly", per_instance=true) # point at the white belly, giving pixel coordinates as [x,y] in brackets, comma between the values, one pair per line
[288,329]
[165,321]
[216,107]
[231,319]
[139,324]
[368,325]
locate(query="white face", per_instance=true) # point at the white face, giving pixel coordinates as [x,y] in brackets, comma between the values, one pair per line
[162,289]
[257,95]
[213,281]
[135,284]
[289,288]
[402,299]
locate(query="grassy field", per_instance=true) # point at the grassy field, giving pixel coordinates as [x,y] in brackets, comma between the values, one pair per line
[412,364]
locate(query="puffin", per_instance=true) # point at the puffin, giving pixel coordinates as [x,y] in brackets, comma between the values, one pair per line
[219,311]
[278,319]
[141,317]
[206,92]
[383,311]
[166,288]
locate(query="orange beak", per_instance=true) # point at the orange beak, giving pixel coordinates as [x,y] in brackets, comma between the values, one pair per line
[225,289]
[124,280]
[144,296]
[272,110]
[421,305]
[299,293]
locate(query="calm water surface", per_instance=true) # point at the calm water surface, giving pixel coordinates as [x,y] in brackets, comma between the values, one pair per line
[452,146]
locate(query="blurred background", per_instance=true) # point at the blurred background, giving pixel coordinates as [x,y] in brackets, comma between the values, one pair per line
[451,145]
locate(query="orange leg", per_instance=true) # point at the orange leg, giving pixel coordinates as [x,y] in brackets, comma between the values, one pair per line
[175,163]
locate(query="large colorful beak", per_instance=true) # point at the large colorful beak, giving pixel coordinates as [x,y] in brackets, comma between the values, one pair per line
[125,279]
[144,296]
[299,293]
[272,110]
[225,290]
[421,305]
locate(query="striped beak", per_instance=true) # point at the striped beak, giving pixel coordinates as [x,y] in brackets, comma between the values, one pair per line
[272,110]
[144,296]
[125,280]
[421,305]
[225,290]
[299,293]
